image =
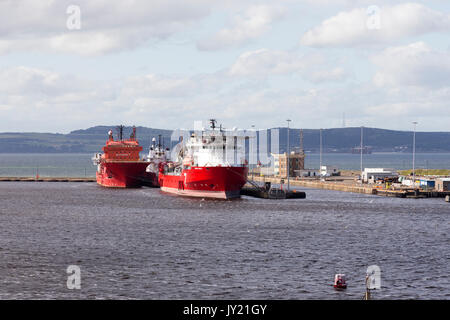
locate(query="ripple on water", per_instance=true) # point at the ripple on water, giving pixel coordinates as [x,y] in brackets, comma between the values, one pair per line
[142,244]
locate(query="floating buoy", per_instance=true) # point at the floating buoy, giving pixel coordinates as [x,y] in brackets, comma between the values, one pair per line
[339,281]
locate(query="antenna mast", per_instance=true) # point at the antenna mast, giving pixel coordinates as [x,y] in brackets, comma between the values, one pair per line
[213,123]
[120,131]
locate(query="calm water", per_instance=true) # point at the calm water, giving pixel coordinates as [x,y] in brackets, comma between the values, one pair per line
[80,165]
[142,244]
[52,165]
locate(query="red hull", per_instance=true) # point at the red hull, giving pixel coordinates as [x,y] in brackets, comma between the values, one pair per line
[129,174]
[206,182]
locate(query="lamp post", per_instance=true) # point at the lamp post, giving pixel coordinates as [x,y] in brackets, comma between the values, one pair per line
[253,153]
[361,150]
[414,154]
[288,153]
[320,154]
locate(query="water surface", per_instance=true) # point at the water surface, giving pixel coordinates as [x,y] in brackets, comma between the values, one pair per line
[142,244]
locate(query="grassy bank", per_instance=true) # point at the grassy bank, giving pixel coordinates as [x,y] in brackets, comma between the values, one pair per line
[429,172]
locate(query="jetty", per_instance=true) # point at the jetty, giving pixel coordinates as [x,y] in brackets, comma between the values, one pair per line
[348,186]
[268,191]
[49,179]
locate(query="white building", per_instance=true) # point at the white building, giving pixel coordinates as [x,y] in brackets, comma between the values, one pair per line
[307,173]
[373,174]
[327,171]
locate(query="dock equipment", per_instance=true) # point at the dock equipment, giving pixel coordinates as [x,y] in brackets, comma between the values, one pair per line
[268,192]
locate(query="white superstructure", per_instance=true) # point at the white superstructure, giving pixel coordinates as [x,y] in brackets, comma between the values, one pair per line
[213,147]
[156,155]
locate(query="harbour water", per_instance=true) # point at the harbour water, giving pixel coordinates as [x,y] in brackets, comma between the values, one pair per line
[142,244]
[80,165]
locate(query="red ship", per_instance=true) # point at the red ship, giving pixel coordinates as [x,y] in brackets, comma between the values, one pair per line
[207,167]
[120,166]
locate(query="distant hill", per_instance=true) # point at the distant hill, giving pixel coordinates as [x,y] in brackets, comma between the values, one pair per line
[79,141]
[381,140]
[91,140]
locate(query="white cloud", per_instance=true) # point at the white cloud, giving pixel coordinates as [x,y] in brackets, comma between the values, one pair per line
[332,74]
[415,64]
[254,22]
[350,28]
[172,86]
[265,62]
[105,25]
[33,81]
[408,103]
[40,99]
[45,100]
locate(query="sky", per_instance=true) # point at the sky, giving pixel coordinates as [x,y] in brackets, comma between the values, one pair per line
[67,65]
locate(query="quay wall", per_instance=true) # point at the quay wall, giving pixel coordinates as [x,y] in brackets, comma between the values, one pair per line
[329,185]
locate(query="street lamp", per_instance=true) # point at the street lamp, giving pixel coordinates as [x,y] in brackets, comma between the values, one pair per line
[361,150]
[414,154]
[252,165]
[288,153]
[320,154]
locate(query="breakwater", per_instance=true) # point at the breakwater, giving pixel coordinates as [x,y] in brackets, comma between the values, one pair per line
[313,184]
[348,186]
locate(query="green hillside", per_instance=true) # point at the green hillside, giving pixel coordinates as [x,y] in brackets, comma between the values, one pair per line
[92,139]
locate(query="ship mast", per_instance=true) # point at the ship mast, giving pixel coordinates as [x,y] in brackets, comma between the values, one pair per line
[213,123]
[120,131]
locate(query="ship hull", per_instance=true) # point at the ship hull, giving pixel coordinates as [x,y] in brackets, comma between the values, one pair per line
[129,174]
[206,182]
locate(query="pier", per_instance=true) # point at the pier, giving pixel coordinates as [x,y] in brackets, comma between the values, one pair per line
[251,189]
[350,186]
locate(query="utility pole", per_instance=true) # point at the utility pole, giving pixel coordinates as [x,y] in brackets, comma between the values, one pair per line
[361,147]
[253,153]
[288,154]
[320,154]
[301,142]
[414,154]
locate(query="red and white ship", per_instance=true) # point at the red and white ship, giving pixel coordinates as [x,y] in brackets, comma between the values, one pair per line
[120,165]
[156,155]
[207,166]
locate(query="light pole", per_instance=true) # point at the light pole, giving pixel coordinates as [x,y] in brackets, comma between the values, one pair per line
[253,153]
[414,154]
[288,153]
[361,150]
[320,154]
